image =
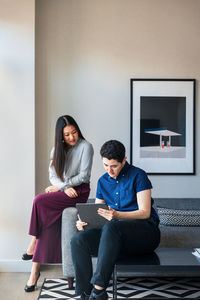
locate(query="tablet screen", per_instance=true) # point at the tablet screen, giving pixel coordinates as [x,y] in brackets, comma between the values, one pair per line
[88,213]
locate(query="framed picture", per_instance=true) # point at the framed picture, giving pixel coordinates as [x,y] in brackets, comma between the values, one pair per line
[163,126]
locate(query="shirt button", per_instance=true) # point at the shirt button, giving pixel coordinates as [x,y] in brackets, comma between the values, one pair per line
[115,203]
[117,181]
[117,193]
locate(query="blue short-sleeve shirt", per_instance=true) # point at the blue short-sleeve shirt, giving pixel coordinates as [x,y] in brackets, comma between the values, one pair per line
[121,193]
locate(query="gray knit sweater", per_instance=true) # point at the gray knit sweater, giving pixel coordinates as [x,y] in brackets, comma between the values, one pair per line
[78,165]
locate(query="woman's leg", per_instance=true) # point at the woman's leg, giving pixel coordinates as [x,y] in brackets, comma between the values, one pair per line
[31,246]
[34,274]
[46,222]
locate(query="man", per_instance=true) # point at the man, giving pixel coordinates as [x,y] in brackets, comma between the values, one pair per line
[132,227]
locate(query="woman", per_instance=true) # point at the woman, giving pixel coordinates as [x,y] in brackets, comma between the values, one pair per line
[69,174]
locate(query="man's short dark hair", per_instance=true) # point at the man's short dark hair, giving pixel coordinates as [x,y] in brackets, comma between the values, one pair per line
[113,150]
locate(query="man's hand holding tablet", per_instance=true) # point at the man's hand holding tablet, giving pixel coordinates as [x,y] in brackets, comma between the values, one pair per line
[92,215]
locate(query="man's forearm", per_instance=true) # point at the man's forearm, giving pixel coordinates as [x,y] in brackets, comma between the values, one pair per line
[132,215]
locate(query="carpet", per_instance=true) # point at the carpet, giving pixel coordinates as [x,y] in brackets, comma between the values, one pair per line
[131,288]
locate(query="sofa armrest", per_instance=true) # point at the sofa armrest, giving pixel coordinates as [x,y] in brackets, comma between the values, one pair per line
[69,218]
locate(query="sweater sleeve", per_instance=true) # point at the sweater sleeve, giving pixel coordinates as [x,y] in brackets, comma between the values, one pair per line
[85,168]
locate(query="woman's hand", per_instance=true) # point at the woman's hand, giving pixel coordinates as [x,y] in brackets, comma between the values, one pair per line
[71,192]
[109,214]
[51,189]
[80,225]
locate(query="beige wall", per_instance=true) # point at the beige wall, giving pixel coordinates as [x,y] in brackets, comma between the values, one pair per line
[86,52]
[17,151]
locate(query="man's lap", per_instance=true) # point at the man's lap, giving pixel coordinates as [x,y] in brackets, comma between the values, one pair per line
[135,235]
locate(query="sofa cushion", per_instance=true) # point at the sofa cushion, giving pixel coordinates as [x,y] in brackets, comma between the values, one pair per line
[180,236]
[178,217]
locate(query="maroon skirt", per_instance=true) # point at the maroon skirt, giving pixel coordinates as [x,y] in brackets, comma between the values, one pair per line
[45,222]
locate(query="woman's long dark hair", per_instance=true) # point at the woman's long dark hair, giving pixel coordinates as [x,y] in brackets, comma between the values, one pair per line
[61,147]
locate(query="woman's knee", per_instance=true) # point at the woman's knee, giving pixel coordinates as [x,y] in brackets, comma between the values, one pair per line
[38,198]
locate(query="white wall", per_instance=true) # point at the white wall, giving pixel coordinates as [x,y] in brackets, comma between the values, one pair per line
[86,53]
[17,171]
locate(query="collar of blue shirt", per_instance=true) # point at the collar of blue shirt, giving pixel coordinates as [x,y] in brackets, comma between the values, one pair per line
[122,172]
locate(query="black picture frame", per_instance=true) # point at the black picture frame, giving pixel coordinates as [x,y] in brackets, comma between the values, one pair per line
[162,125]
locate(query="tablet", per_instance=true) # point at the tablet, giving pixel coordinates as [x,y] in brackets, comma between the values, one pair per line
[88,213]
